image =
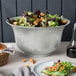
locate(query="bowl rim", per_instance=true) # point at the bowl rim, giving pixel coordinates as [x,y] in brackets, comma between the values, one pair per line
[68,22]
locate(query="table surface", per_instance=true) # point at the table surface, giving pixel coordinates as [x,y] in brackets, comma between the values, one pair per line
[15,60]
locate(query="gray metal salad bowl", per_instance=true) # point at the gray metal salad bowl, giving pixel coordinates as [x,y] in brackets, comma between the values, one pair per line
[38,41]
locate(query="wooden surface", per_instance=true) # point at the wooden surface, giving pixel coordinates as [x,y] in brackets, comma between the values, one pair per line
[0,31]
[68,11]
[15,60]
[0,24]
[39,4]
[54,6]
[8,9]
[23,5]
[13,8]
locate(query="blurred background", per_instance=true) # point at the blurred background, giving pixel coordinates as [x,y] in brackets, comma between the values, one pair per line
[12,8]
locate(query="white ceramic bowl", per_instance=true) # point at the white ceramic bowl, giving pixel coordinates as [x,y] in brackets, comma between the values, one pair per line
[38,41]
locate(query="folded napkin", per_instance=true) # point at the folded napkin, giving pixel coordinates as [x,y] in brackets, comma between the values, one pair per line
[26,71]
[1,74]
[22,71]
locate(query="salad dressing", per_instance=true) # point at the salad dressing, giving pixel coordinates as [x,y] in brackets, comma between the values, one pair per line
[71,49]
[71,52]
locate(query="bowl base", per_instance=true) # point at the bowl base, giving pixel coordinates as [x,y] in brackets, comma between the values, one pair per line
[37,56]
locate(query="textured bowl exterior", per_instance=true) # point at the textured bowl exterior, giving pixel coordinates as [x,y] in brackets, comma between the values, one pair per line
[38,41]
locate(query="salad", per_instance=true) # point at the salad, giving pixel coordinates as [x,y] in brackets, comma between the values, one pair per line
[38,19]
[59,69]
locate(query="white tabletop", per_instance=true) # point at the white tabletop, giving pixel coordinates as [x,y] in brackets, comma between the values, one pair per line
[15,60]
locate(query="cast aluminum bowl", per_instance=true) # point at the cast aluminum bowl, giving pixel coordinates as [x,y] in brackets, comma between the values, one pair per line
[38,41]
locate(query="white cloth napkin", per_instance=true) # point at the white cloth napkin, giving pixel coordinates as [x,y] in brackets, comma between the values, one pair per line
[22,71]
[1,74]
[26,71]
